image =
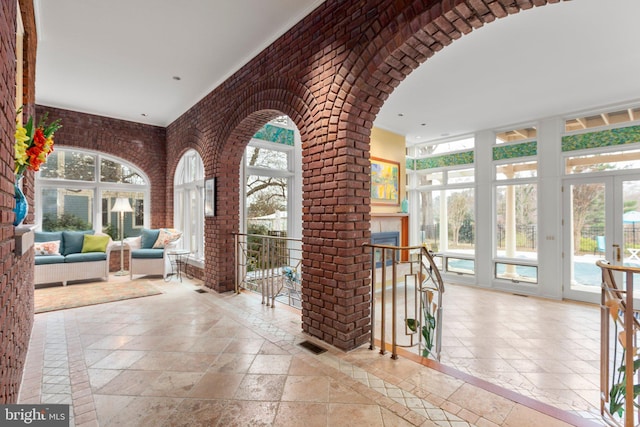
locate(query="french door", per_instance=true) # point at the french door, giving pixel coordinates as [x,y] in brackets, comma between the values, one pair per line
[599,223]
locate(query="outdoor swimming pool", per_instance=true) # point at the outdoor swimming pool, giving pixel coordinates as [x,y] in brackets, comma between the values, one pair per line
[586,273]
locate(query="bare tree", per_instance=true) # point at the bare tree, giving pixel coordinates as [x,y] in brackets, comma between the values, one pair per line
[587,200]
[458,208]
[265,194]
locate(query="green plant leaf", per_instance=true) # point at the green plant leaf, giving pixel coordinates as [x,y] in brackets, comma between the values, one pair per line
[412,324]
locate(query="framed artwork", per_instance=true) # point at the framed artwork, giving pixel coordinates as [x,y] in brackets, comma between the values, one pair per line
[210,197]
[385,182]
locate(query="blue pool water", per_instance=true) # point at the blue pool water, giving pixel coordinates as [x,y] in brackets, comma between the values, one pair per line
[585,273]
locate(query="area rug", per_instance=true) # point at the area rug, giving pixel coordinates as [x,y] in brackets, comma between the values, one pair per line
[82,294]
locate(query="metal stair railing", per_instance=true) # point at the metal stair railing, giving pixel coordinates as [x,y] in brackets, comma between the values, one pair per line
[619,355]
[270,265]
[421,297]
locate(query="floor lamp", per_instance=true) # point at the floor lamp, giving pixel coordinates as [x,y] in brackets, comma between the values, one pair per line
[121,206]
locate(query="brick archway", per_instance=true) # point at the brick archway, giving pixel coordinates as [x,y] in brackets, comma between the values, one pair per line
[331,74]
[255,107]
[337,176]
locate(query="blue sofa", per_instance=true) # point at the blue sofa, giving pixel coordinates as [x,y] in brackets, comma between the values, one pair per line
[63,256]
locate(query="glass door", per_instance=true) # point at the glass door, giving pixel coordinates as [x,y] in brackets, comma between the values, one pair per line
[601,222]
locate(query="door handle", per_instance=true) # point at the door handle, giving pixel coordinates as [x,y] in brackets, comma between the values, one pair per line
[616,252]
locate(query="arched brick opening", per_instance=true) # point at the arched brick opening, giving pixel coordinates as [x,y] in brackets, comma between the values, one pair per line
[376,64]
[265,102]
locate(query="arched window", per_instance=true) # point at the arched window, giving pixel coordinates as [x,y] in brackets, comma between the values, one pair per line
[76,189]
[188,202]
[272,180]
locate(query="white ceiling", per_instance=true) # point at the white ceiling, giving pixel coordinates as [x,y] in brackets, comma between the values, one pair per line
[118,58]
[551,60]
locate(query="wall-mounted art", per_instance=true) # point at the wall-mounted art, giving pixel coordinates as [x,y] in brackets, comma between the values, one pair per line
[210,197]
[385,182]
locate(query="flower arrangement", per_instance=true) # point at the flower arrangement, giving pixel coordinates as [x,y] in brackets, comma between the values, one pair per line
[33,144]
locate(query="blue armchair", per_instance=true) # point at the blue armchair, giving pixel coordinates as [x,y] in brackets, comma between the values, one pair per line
[148,253]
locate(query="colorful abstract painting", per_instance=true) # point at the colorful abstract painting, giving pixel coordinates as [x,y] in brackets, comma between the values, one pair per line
[385,182]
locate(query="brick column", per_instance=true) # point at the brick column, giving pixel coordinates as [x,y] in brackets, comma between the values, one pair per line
[336,217]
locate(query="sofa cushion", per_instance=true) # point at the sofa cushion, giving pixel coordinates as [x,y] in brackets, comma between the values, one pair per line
[95,243]
[51,259]
[166,236]
[89,256]
[47,248]
[148,238]
[47,236]
[73,241]
[147,253]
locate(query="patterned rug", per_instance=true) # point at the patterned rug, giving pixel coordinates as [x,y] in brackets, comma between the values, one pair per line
[82,294]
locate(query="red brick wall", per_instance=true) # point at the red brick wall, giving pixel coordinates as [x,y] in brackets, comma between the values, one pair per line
[114,260]
[16,282]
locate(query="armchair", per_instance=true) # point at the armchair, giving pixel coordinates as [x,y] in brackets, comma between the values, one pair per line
[148,253]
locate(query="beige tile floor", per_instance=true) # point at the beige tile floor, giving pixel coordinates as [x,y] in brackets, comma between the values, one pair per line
[547,350]
[543,349]
[185,359]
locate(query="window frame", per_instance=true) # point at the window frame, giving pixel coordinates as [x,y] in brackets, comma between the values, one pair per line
[500,182]
[183,192]
[98,187]
[292,174]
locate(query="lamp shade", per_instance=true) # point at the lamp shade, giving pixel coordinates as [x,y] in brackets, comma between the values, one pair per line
[121,205]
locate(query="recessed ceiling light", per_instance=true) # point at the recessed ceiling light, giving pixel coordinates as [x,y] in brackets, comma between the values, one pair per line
[418,137]
[400,114]
[143,114]
[176,78]
[423,124]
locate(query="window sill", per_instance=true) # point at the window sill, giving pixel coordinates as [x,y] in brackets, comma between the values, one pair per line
[198,263]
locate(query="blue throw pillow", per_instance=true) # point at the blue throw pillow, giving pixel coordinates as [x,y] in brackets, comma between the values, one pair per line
[73,241]
[47,236]
[148,238]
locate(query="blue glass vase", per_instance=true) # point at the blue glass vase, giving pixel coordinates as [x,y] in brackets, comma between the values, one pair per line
[22,206]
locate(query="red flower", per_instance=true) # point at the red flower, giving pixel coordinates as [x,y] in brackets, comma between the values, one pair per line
[38,138]
[34,157]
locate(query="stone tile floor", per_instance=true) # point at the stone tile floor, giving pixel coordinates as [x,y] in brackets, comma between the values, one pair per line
[185,358]
[543,349]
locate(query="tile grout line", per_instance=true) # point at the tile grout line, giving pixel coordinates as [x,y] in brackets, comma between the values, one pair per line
[84,410]
[331,360]
[56,388]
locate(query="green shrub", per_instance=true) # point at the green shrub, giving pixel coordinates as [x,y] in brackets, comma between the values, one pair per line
[51,222]
[111,231]
[587,245]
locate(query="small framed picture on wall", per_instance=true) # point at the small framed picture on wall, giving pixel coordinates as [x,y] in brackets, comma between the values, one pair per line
[210,197]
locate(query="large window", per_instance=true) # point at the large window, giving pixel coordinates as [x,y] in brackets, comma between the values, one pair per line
[189,203]
[272,181]
[77,190]
[516,205]
[443,180]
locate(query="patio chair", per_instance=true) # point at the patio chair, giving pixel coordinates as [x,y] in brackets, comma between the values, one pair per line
[600,247]
[292,284]
[149,260]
